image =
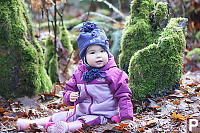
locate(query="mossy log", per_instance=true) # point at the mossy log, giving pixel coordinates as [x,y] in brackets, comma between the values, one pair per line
[21,57]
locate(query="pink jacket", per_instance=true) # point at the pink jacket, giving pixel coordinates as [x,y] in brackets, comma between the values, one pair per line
[108,96]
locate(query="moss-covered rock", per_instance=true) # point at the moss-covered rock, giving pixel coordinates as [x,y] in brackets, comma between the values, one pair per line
[192,53]
[21,57]
[141,30]
[160,65]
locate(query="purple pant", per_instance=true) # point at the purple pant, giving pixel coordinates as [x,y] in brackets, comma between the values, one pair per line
[91,120]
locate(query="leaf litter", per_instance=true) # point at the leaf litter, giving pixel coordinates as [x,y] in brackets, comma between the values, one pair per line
[161,114]
[166,114]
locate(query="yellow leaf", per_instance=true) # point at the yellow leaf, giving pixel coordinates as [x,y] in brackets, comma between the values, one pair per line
[151,123]
[139,116]
[5,113]
[141,129]
[16,117]
[176,102]
[71,107]
[177,116]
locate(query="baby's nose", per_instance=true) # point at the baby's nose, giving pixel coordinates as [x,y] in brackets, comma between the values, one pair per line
[98,54]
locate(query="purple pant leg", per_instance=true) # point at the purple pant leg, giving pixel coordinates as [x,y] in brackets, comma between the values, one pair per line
[93,120]
[63,115]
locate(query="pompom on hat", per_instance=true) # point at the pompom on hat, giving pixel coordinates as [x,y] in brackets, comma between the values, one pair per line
[90,34]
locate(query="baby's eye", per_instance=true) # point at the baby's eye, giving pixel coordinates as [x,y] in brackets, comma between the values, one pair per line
[102,50]
[92,52]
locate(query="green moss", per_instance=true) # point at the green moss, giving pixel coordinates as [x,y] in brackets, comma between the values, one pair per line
[74,42]
[44,83]
[140,9]
[137,32]
[140,30]
[53,69]
[193,52]
[49,51]
[160,14]
[160,65]
[51,61]
[134,38]
[160,19]
[197,36]
[65,40]
[21,56]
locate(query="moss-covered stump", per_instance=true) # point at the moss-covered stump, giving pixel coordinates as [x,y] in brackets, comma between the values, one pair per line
[65,40]
[51,60]
[53,69]
[21,60]
[137,32]
[142,28]
[159,67]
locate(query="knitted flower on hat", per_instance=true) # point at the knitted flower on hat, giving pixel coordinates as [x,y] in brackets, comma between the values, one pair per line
[90,34]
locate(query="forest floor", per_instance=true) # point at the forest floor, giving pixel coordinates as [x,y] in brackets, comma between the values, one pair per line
[170,113]
[166,114]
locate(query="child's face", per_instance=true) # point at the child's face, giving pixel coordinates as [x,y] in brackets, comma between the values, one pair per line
[96,56]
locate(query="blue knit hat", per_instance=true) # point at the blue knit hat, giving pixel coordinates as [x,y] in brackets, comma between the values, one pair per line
[90,34]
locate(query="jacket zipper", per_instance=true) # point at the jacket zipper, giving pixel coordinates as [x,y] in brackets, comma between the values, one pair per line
[89,108]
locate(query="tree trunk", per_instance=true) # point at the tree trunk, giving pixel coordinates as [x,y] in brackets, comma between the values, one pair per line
[21,57]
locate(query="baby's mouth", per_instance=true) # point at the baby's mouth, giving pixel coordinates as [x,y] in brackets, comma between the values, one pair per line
[99,61]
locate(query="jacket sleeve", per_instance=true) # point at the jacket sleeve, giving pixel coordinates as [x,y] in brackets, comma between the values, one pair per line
[71,86]
[119,84]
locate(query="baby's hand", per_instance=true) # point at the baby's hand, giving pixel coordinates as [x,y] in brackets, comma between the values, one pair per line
[73,96]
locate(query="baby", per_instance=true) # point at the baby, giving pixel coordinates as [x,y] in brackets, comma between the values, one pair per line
[98,88]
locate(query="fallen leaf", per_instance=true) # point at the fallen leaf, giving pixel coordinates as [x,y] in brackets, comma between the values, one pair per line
[121,126]
[177,116]
[141,129]
[175,102]
[188,101]
[151,123]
